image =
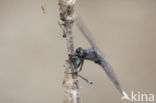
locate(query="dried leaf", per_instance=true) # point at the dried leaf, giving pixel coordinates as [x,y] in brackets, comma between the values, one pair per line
[43,6]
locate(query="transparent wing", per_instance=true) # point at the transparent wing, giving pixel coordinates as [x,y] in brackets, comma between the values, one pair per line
[85,32]
[107,68]
[110,73]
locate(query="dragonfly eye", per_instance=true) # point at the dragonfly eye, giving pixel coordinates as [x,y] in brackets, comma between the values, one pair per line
[78,50]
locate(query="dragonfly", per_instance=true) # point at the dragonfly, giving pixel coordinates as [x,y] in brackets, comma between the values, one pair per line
[93,54]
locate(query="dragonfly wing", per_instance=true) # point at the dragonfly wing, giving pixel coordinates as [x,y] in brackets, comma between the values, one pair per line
[87,34]
[107,68]
[110,73]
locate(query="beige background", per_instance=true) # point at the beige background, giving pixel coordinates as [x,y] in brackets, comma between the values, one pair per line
[32,54]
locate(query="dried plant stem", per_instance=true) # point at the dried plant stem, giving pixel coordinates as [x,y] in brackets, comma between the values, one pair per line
[43,6]
[70,82]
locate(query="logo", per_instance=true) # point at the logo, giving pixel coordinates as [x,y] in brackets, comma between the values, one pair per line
[138,97]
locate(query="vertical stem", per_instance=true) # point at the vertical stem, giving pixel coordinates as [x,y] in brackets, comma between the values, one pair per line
[70,82]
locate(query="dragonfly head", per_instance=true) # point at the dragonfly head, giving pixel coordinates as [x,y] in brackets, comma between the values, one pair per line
[80,52]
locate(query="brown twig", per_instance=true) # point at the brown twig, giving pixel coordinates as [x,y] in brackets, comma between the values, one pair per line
[70,82]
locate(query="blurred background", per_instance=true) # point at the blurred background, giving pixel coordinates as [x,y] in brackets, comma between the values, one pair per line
[32,53]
